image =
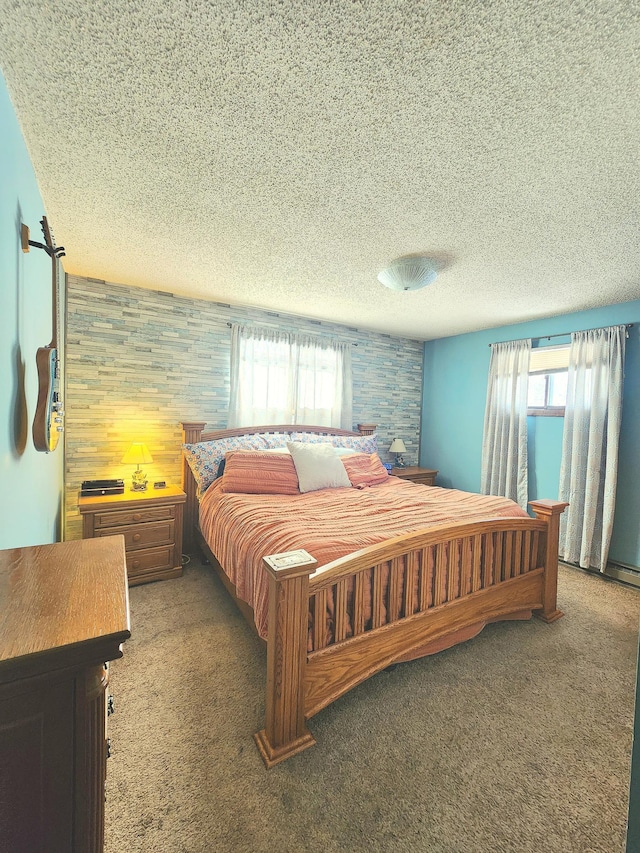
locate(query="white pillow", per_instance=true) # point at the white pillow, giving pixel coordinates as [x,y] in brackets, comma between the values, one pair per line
[318,467]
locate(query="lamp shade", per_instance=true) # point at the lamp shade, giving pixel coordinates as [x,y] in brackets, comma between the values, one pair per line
[397,446]
[409,273]
[137,454]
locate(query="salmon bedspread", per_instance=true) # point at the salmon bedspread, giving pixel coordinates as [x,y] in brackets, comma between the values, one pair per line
[241,529]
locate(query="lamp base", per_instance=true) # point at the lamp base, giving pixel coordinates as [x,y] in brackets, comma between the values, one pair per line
[400,462]
[138,481]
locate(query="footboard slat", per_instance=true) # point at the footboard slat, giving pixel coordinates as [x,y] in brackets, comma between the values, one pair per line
[507,565]
[440,589]
[319,619]
[358,604]
[395,588]
[525,564]
[452,571]
[517,556]
[536,549]
[466,570]
[477,563]
[488,554]
[498,558]
[342,619]
[378,606]
[426,579]
[411,579]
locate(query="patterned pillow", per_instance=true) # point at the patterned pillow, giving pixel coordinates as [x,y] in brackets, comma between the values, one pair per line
[205,457]
[251,472]
[341,451]
[276,439]
[365,469]
[361,443]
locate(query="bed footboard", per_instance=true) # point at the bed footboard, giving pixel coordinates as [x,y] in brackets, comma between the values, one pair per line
[396,601]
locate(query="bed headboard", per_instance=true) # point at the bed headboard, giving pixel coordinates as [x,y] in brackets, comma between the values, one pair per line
[194,432]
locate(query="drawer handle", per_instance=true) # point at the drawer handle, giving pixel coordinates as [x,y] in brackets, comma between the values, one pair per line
[137,516]
[136,536]
[135,564]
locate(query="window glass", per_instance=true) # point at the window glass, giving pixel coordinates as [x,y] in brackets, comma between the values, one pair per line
[548,374]
[558,388]
[537,390]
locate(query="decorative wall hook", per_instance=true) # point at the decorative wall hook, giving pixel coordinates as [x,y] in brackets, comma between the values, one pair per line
[51,250]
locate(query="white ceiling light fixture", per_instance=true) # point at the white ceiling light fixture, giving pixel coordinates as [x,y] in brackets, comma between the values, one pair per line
[410,272]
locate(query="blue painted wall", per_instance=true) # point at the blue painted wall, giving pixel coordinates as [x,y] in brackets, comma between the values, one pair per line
[30,482]
[633,825]
[455,384]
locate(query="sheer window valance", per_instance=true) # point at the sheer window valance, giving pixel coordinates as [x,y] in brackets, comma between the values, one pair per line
[285,378]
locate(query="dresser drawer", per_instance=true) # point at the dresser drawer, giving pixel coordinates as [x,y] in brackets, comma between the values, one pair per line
[143,535]
[104,519]
[150,560]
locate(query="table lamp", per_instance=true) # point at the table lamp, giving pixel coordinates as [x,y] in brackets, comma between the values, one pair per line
[138,454]
[397,447]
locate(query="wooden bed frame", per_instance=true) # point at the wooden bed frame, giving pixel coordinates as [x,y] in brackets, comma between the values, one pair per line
[467,574]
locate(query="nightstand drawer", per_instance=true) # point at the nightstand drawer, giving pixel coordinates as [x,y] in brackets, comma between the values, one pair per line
[151,560]
[415,474]
[143,535]
[427,480]
[139,515]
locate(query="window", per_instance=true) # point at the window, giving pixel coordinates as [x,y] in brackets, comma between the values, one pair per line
[548,374]
[283,378]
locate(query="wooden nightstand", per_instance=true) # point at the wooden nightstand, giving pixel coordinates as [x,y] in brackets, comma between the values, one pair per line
[426,476]
[151,523]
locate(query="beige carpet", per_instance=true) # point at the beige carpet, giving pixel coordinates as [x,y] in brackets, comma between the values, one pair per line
[518,740]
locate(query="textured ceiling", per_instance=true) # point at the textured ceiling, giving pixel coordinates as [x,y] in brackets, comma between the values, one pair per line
[279,154]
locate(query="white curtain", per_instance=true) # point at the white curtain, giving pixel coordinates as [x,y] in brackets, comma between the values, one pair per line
[589,467]
[283,378]
[504,444]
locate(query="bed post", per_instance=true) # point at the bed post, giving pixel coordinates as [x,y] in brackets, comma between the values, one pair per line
[285,732]
[191,433]
[550,512]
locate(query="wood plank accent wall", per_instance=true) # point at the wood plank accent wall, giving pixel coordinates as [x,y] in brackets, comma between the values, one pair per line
[140,361]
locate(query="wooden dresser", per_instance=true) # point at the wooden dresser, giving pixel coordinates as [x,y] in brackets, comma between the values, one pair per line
[151,523]
[426,476]
[64,613]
